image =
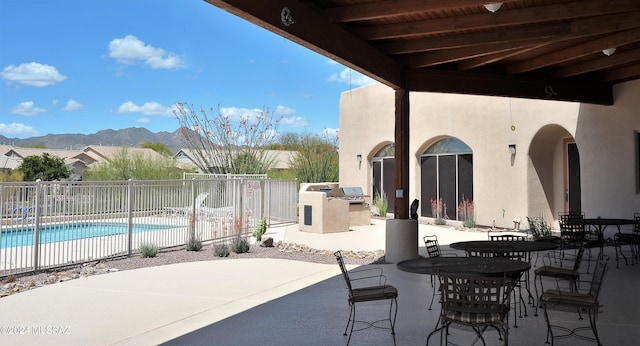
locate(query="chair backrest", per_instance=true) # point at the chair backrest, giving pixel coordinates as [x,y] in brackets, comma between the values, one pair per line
[474,293]
[200,198]
[507,237]
[598,276]
[567,225]
[343,268]
[432,245]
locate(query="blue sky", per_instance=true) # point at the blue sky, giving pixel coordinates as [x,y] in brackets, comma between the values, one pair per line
[71,66]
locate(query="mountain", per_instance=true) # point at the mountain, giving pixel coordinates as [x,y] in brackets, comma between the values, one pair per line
[130,137]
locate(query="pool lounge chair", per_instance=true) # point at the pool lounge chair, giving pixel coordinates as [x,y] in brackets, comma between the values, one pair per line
[183,211]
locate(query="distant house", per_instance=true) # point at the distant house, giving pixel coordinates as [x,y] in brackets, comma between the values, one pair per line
[8,163]
[77,160]
[281,158]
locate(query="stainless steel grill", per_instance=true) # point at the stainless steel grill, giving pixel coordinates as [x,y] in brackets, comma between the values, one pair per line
[354,194]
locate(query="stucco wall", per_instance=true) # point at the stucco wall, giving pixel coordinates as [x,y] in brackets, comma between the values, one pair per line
[505,187]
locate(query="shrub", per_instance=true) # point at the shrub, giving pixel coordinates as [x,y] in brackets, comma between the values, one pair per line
[148,250]
[194,244]
[221,250]
[381,203]
[539,227]
[240,245]
[261,229]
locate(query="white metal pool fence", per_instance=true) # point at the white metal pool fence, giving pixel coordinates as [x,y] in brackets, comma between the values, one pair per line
[53,224]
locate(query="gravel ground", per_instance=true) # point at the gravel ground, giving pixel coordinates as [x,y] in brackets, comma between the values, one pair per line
[12,285]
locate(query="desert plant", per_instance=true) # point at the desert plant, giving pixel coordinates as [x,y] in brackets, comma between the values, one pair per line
[148,250]
[539,227]
[221,250]
[438,210]
[261,229]
[240,245]
[227,142]
[194,244]
[381,203]
[466,213]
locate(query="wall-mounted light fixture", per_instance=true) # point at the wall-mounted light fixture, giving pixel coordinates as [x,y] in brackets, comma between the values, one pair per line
[512,149]
[359,158]
[493,7]
[609,51]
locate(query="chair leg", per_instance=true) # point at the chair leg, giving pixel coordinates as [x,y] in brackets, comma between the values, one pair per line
[549,330]
[394,302]
[592,320]
[351,320]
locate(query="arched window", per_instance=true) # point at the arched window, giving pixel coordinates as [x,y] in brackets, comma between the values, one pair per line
[383,169]
[446,176]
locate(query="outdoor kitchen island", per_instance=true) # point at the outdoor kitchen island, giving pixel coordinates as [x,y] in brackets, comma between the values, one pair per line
[328,208]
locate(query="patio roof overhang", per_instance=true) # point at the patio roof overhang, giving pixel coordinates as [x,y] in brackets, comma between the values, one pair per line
[539,49]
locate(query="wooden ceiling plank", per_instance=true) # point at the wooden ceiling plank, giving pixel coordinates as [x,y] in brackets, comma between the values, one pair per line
[619,74]
[604,62]
[575,52]
[470,64]
[313,30]
[377,10]
[528,16]
[545,32]
[444,56]
[428,80]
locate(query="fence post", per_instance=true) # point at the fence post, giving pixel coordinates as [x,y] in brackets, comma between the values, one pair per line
[36,226]
[192,217]
[130,217]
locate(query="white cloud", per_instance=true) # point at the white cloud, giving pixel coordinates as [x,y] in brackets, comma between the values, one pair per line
[143,120]
[236,114]
[32,74]
[331,132]
[17,130]
[27,109]
[73,105]
[284,110]
[351,77]
[130,50]
[148,108]
[294,121]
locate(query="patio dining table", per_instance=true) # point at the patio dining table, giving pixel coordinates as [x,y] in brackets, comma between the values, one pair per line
[503,247]
[600,224]
[475,265]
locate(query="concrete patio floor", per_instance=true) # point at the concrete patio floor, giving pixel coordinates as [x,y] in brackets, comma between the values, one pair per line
[273,302]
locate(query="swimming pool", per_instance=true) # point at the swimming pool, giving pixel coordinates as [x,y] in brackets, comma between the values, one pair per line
[23,236]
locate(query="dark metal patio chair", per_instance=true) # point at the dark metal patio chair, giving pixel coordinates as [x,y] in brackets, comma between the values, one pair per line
[474,300]
[576,301]
[572,233]
[630,239]
[571,275]
[370,293]
[433,250]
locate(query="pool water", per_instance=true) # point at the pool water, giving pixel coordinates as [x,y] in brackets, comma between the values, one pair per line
[23,236]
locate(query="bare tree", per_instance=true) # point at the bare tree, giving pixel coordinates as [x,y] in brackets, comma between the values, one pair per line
[228,144]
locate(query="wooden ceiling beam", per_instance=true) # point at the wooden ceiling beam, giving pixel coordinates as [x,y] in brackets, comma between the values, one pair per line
[509,18]
[377,10]
[576,52]
[619,74]
[602,63]
[455,82]
[549,32]
[314,31]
